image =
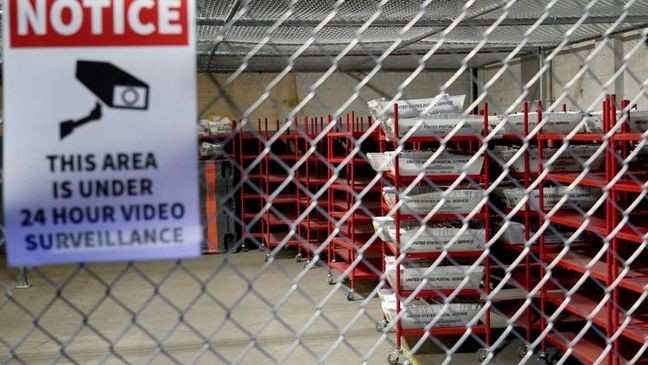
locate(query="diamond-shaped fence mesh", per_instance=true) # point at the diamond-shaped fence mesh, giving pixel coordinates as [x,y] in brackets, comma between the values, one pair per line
[401,182]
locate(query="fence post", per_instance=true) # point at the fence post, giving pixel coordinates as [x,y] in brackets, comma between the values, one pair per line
[22,281]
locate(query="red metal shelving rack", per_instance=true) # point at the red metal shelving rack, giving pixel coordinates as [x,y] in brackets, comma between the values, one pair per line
[589,349]
[397,181]
[355,225]
[570,261]
[353,234]
[530,320]
[283,212]
[251,194]
[637,328]
[312,176]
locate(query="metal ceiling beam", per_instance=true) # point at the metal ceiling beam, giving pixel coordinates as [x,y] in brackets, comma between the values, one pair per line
[232,11]
[582,40]
[301,68]
[269,66]
[433,31]
[441,23]
[230,14]
[445,52]
[420,24]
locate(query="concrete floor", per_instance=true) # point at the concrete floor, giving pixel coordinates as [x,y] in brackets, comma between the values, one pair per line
[245,313]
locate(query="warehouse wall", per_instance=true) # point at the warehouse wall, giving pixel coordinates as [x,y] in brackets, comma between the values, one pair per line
[233,99]
[504,89]
[636,78]
[586,89]
[583,90]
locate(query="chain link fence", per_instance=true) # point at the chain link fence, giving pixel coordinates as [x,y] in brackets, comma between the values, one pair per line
[413,182]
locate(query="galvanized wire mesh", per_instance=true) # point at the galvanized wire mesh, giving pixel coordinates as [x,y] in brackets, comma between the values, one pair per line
[514,236]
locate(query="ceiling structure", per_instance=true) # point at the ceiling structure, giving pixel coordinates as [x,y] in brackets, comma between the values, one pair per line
[269,35]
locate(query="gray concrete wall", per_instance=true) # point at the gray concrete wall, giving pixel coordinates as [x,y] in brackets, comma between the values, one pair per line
[581,88]
[503,85]
[636,77]
[582,85]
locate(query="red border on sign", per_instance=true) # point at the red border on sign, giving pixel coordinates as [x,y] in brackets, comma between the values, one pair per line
[84,36]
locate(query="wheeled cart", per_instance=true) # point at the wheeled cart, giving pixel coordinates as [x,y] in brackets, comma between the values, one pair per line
[427,296]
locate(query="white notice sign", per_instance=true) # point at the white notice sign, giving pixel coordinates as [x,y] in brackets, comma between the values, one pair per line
[100,147]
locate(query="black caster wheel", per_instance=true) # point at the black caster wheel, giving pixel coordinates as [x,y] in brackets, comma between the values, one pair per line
[381,325]
[267,258]
[393,358]
[329,279]
[262,248]
[245,249]
[482,354]
[350,296]
[543,359]
[522,351]
[298,258]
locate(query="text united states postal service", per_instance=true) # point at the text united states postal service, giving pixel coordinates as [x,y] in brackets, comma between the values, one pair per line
[100,149]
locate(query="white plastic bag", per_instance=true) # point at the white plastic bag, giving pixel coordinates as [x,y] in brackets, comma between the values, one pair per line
[419,313]
[439,278]
[218,127]
[514,235]
[637,122]
[411,163]
[382,109]
[210,149]
[423,200]
[436,116]
[554,122]
[570,160]
[432,239]
[582,196]
[438,125]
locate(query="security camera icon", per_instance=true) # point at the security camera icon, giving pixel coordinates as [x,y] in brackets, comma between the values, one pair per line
[113,86]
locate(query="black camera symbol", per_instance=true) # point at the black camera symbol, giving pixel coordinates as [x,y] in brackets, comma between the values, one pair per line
[114,86]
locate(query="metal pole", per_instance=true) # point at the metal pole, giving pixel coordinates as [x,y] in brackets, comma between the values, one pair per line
[473,77]
[541,61]
[22,281]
